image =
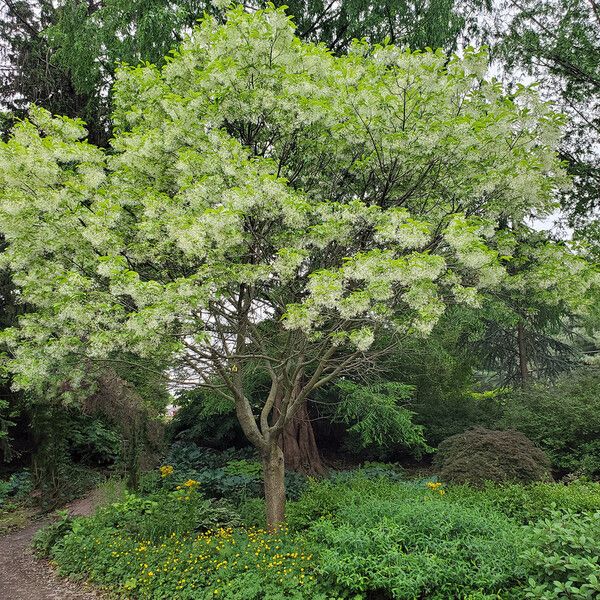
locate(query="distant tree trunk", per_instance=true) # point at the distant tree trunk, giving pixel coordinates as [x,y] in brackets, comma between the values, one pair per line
[274,478]
[299,445]
[522,344]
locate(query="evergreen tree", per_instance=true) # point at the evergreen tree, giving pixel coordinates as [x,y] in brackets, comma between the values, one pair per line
[31,73]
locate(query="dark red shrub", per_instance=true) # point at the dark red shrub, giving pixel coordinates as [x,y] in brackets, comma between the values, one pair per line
[478,455]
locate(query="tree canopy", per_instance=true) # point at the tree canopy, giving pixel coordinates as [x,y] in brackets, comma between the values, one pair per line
[63,55]
[266,202]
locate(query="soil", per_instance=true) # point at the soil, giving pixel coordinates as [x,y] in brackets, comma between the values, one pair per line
[24,577]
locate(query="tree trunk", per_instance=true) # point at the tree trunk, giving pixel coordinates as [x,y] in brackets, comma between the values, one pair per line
[274,478]
[522,352]
[299,445]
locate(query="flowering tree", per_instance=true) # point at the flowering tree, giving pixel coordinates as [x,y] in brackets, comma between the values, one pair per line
[266,204]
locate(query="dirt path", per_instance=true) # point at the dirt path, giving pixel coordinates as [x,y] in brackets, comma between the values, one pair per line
[23,577]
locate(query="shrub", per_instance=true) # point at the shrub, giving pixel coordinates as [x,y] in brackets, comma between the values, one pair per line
[563,418]
[372,470]
[253,512]
[153,518]
[417,549]
[55,475]
[91,441]
[562,559]
[189,456]
[208,419]
[324,498]
[16,488]
[321,499]
[232,473]
[358,538]
[378,418]
[218,483]
[165,513]
[479,455]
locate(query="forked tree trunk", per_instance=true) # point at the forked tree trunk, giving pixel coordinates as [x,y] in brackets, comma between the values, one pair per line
[299,445]
[274,478]
[295,435]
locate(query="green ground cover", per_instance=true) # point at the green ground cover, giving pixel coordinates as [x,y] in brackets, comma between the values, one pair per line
[365,534]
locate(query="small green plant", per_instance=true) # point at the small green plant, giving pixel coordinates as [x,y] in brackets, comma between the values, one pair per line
[48,537]
[249,564]
[251,468]
[252,512]
[322,499]
[165,513]
[233,474]
[373,469]
[112,490]
[563,556]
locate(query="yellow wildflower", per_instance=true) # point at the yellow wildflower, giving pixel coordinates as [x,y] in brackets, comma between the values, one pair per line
[166,470]
[436,487]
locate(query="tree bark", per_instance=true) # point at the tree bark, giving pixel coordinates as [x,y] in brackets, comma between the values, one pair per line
[274,478]
[299,446]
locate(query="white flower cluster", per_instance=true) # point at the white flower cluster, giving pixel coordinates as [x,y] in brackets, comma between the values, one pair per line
[258,165]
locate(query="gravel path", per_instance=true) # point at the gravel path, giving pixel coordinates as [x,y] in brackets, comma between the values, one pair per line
[23,577]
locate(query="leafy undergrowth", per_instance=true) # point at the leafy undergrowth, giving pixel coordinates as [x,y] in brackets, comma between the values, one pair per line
[15,492]
[356,536]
